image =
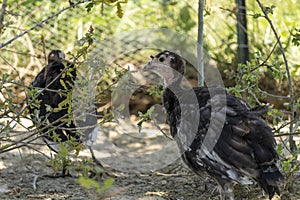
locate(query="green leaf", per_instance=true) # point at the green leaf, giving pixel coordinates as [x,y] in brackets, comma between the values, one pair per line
[89,6]
[185,20]
[296,38]
[107,183]
[119,10]
[63,84]
[88,183]
[4,77]
[139,124]
[48,108]
[185,14]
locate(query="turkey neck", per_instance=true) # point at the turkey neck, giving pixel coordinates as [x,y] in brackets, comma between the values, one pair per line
[170,100]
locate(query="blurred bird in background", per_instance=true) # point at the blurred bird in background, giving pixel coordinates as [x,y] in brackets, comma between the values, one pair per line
[51,109]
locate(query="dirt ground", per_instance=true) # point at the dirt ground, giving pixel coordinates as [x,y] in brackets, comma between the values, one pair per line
[139,172]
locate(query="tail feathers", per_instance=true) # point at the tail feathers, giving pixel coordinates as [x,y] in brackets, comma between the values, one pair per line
[271,190]
[270,178]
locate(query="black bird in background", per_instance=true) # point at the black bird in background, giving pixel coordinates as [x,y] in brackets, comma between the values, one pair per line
[245,150]
[49,110]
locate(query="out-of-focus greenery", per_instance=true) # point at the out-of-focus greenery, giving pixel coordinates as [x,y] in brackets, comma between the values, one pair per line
[65,31]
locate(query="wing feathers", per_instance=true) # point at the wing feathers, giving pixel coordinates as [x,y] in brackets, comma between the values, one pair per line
[245,148]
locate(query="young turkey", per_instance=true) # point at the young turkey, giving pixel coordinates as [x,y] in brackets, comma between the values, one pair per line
[217,133]
[50,109]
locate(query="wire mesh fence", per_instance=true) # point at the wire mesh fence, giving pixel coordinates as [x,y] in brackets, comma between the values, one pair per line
[26,56]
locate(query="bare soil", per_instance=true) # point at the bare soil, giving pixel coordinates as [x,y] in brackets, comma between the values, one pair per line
[23,175]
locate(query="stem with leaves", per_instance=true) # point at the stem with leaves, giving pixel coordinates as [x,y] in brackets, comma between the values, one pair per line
[293,146]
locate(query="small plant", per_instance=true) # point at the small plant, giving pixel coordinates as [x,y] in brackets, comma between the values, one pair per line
[100,188]
[62,159]
[145,117]
[290,165]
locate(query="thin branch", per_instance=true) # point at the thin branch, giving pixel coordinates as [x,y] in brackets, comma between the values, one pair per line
[24,108]
[13,67]
[277,130]
[291,141]
[268,57]
[287,134]
[21,53]
[28,139]
[31,87]
[44,49]
[271,52]
[254,96]
[284,145]
[40,23]
[272,95]
[161,130]
[37,150]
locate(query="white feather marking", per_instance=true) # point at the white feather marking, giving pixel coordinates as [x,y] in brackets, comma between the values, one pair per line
[92,136]
[232,174]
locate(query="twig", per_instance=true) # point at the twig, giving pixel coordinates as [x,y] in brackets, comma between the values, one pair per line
[94,157]
[40,23]
[161,130]
[44,48]
[271,95]
[21,53]
[106,170]
[14,68]
[3,9]
[15,117]
[291,141]
[264,62]
[31,87]
[277,130]
[271,52]
[287,134]
[20,143]
[254,96]
[35,149]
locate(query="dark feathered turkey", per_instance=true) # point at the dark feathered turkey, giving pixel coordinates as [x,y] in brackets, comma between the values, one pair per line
[239,146]
[54,85]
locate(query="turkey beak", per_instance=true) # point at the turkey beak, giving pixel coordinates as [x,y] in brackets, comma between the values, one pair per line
[149,65]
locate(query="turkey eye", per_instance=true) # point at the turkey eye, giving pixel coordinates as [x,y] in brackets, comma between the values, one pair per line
[161,59]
